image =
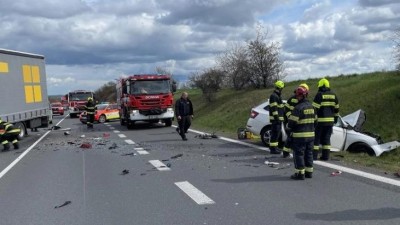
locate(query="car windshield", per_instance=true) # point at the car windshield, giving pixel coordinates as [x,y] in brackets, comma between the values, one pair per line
[150,87]
[80,96]
[56,105]
[101,107]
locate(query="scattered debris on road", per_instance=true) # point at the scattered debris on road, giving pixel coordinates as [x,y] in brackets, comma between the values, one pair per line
[336,173]
[168,164]
[176,156]
[113,146]
[142,174]
[271,164]
[206,136]
[82,136]
[164,160]
[131,154]
[64,204]
[124,172]
[106,135]
[71,143]
[66,133]
[86,145]
[288,165]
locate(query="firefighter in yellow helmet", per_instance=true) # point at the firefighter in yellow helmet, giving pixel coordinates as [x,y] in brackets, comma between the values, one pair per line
[289,106]
[276,116]
[8,133]
[302,123]
[326,106]
[90,110]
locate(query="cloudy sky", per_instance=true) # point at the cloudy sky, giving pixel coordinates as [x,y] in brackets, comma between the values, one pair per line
[90,42]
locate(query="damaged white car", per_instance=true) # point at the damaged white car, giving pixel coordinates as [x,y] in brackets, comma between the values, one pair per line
[347,132]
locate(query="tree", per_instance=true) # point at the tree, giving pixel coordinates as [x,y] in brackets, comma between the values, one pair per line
[265,63]
[235,63]
[106,93]
[210,82]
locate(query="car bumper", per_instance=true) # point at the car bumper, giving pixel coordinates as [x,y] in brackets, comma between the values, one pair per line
[136,116]
[254,126]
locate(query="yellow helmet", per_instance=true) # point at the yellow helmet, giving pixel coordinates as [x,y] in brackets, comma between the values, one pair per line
[279,84]
[323,82]
[304,85]
[90,99]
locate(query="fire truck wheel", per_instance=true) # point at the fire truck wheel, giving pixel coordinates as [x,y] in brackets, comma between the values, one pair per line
[168,122]
[130,124]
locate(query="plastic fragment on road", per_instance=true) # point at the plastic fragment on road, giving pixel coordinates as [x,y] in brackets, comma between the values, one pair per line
[206,136]
[124,172]
[271,164]
[336,173]
[288,165]
[64,204]
[106,135]
[82,136]
[70,142]
[113,146]
[176,156]
[168,164]
[86,145]
[131,154]
[66,133]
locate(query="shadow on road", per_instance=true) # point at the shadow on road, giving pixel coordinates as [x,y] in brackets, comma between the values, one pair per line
[353,214]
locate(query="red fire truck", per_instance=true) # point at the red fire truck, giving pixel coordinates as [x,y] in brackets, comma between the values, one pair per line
[146,97]
[77,101]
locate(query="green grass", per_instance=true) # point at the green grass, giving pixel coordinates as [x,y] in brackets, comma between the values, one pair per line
[378,94]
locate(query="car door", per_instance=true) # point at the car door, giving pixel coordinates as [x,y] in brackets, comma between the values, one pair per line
[112,112]
[338,136]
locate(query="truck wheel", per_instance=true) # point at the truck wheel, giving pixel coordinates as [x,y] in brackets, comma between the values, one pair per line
[102,119]
[130,124]
[122,122]
[21,126]
[266,135]
[168,122]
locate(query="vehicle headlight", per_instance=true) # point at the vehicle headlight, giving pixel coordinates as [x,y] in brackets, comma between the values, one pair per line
[170,110]
[134,112]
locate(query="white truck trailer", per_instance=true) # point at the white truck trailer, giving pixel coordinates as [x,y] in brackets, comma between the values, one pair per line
[23,90]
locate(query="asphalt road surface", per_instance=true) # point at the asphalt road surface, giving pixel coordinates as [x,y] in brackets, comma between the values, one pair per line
[170,181]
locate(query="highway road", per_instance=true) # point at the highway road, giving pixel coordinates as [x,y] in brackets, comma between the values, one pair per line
[170,181]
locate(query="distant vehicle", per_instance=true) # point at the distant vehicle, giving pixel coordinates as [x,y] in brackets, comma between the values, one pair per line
[347,132]
[77,101]
[145,98]
[23,90]
[57,108]
[103,113]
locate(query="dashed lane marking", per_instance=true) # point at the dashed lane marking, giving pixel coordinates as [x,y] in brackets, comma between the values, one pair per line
[116,131]
[122,135]
[129,141]
[159,165]
[194,193]
[143,152]
[112,128]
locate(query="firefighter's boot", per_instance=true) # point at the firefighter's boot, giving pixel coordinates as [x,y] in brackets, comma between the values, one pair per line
[6,147]
[308,174]
[298,176]
[315,154]
[325,155]
[16,145]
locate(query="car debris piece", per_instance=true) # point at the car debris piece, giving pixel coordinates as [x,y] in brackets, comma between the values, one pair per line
[336,173]
[288,165]
[176,156]
[164,160]
[124,172]
[113,146]
[71,143]
[66,133]
[168,164]
[101,143]
[271,164]
[106,135]
[126,154]
[82,136]
[206,136]
[86,145]
[64,204]
[55,128]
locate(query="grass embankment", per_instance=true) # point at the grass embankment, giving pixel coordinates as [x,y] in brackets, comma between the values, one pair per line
[378,94]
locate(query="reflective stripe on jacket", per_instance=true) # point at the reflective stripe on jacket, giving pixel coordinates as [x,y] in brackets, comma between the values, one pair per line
[326,105]
[302,121]
[276,110]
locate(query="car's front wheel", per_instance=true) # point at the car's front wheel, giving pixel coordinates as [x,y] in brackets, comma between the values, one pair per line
[266,135]
[361,147]
[102,119]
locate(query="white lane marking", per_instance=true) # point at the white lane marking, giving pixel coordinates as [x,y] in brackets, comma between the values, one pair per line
[106,123]
[122,135]
[159,165]
[143,152]
[116,131]
[320,163]
[112,128]
[138,149]
[194,193]
[8,168]
[129,141]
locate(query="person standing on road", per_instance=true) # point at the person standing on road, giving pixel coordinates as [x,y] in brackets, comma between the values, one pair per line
[276,116]
[301,123]
[184,114]
[90,110]
[8,133]
[289,107]
[326,105]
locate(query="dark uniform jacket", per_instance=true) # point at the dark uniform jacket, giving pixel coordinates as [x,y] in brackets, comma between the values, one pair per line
[183,107]
[276,110]
[302,122]
[90,107]
[326,104]
[289,106]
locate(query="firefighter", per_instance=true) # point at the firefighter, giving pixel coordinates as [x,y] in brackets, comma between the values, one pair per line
[184,114]
[289,106]
[326,105]
[90,110]
[276,116]
[8,133]
[301,123]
